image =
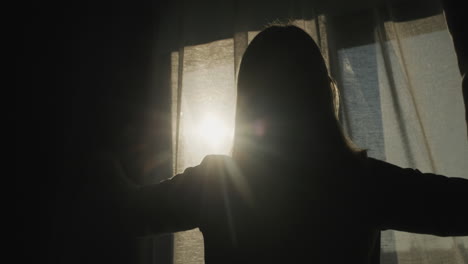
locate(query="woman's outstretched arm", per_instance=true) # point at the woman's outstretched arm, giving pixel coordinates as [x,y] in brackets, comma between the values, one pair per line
[412,201]
[170,206]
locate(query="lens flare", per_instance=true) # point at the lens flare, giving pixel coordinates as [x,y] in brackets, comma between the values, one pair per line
[213,131]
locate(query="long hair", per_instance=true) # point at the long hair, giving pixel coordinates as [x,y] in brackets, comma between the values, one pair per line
[285,101]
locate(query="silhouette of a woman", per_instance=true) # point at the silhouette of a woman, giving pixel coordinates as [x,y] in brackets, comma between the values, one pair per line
[295,188]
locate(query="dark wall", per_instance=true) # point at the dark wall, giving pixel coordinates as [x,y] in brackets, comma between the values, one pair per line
[455,14]
[85,82]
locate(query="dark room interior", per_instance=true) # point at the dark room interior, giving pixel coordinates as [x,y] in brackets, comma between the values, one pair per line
[97,77]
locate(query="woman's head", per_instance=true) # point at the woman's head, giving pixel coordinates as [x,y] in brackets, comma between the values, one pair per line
[284,92]
[283,65]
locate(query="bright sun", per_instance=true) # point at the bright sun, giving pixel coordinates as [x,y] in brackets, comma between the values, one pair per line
[213,131]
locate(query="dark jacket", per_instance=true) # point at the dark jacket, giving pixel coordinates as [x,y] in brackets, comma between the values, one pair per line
[330,213]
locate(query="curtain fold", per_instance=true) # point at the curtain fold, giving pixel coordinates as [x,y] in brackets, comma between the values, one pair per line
[399,84]
[421,111]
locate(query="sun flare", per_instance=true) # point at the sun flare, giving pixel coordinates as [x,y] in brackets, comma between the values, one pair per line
[214,131]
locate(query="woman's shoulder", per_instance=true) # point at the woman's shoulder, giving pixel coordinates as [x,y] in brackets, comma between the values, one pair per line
[211,165]
[218,165]
[216,159]
[380,166]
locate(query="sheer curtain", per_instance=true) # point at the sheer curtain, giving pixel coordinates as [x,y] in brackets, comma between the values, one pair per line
[401,99]
[400,93]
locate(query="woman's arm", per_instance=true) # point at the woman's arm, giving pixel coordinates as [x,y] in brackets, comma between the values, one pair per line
[170,206]
[411,201]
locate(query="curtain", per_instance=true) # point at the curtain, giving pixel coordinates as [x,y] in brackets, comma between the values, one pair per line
[402,100]
[397,72]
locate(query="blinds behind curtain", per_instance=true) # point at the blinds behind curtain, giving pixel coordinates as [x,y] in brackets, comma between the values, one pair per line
[400,99]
